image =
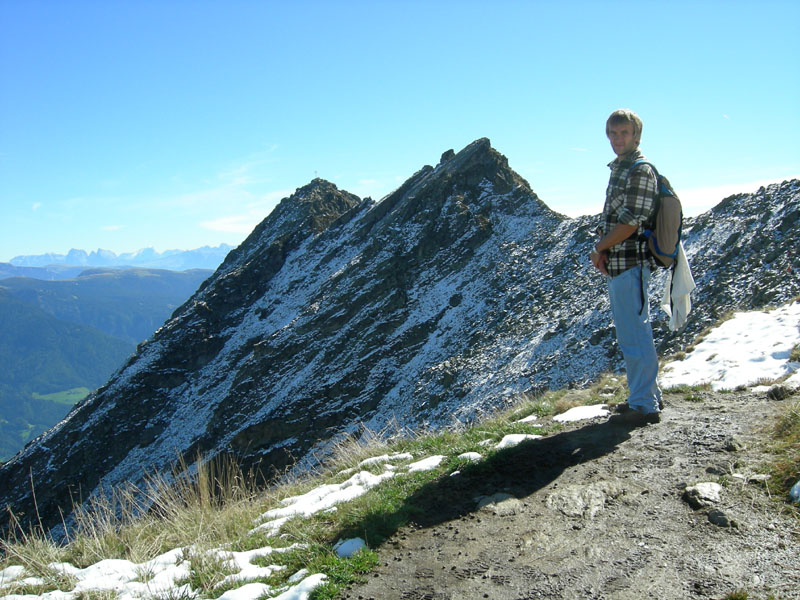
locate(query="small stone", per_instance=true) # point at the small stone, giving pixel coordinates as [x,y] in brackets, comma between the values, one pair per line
[720,519]
[584,501]
[501,504]
[733,445]
[794,493]
[702,495]
[761,478]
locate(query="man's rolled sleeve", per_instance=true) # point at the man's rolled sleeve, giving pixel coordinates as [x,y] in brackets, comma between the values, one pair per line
[640,193]
[626,217]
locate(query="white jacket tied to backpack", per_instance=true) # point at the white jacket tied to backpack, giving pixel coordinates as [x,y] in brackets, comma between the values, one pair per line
[676,300]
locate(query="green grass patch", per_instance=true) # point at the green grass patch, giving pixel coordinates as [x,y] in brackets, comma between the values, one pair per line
[68,397]
[27,433]
[320,558]
[207,571]
[609,389]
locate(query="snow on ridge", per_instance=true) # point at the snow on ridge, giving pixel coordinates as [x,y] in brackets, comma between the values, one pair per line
[751,347]
[193,408]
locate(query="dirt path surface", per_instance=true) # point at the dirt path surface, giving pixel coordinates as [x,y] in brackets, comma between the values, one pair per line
[599,511]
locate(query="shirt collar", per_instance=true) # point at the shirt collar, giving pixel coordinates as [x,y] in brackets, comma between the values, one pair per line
[627,160]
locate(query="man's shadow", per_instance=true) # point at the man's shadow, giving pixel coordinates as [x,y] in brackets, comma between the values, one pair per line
[519,471]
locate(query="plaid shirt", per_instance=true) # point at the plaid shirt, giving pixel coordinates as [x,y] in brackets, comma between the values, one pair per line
[629,200]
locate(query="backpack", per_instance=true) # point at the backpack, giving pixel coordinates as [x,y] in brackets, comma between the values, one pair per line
[663,232]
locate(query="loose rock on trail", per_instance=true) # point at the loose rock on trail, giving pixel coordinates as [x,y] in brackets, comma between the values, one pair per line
[602,511]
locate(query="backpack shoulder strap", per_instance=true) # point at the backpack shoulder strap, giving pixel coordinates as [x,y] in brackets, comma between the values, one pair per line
[646,228]
[636,163]
[662,185]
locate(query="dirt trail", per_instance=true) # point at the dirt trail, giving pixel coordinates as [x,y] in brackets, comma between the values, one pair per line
[598,512]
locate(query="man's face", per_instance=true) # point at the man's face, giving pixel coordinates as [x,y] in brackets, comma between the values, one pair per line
[622,138]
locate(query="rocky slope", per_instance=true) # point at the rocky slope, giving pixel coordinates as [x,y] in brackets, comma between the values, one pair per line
[453,294]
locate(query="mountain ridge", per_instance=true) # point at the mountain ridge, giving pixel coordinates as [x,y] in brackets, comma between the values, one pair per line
[452,295]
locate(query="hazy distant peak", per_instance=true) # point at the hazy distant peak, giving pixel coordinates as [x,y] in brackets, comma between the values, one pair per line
[176,260]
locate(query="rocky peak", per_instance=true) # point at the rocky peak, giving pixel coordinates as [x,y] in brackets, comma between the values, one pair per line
[309,211]
[248,269]
[480,162]
[477,164]
[317,205]
[447,155]
[471,183]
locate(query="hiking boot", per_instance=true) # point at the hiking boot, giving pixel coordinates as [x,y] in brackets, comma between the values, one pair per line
[635,418]
[623,407]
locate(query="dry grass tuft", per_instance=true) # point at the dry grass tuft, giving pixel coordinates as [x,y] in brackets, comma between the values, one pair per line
[795,355]
[785,469]
[197,505]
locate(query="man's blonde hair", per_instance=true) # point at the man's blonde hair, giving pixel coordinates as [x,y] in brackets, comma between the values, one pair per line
[626,115]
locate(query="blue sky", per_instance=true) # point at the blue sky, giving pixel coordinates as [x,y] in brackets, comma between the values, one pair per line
[178,124]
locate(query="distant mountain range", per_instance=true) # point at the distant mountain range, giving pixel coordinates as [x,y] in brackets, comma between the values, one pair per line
[206,257]
[62,339]
[451,297]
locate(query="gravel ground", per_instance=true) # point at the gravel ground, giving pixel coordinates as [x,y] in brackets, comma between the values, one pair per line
[599,511]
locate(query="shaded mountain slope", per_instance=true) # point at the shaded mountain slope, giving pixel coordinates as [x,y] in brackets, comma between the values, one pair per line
[129,304]
[62,339]
[42,355]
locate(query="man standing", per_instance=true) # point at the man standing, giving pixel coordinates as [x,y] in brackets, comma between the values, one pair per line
[630,202]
